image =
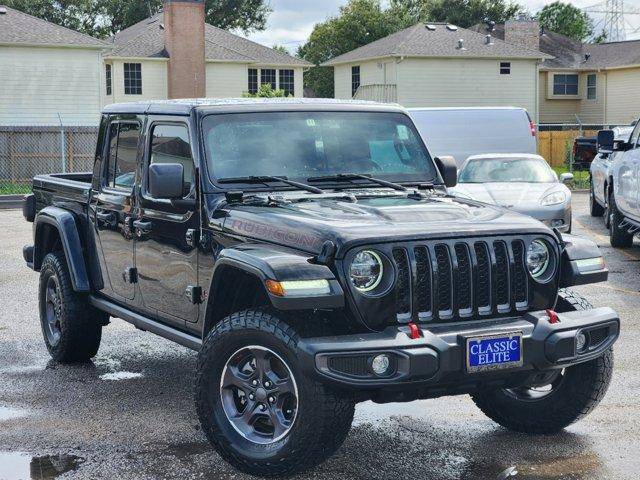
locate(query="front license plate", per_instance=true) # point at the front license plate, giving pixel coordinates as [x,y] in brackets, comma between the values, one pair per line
[494,352]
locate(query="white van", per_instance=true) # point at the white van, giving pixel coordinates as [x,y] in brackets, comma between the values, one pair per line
[462,132]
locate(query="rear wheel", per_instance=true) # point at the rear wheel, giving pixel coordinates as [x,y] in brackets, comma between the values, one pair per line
[618,237]
[595,209]
[72,328]
[258,409]
[556,398]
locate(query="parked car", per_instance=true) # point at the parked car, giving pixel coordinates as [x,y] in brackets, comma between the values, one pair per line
[623,188]
[521,182]
[462,132]
[584,151]
[600,175]
[315,260]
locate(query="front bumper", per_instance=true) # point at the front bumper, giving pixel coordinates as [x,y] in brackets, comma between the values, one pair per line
[554,216]
[435,363]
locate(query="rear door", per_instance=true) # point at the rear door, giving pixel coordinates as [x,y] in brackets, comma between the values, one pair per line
[112,204]
[167,232]
[627,191]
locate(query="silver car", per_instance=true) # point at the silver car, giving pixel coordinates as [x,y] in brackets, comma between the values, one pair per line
[522,182]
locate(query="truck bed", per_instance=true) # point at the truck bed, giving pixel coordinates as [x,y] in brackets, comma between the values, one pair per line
[62,187]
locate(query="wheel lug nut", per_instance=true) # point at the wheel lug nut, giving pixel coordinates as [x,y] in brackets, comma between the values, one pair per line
[262,407]
[251,396]
[254,382]
[267,384]
[272,399]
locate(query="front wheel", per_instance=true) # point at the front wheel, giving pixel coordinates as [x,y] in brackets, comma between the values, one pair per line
[618,237]
[595,209]
[259,411]
[557,398]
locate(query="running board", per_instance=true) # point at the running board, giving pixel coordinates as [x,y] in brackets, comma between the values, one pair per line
[144,323]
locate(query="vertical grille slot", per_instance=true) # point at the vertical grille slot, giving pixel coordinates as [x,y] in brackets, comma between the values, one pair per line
[403,288]
[483,282]
[445,287]
[519,275]
[501,276]
[464,280]
[423,283]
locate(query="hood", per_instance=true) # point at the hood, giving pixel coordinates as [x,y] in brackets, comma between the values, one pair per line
[515,195]
[306,225]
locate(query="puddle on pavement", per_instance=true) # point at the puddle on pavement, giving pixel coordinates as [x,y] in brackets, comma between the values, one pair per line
[115,376]
[23,466]
[577,467]
[7,413]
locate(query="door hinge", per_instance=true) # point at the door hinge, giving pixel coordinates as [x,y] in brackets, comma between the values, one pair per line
[194,294]
[130,275]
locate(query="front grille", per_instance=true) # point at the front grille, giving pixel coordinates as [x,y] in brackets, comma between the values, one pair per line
[458,280]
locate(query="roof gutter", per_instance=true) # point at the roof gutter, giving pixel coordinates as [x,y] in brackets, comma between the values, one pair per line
[54,45]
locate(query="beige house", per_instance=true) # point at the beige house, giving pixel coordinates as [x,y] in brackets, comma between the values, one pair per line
[585,83]
[50,74]
[433,65]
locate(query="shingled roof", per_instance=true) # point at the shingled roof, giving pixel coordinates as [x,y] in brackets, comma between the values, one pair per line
[435,40]
[145,39]
[571,54]
[20,28]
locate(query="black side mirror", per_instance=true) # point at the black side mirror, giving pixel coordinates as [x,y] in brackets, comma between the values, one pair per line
[605,141]
[448,170]
[166,180]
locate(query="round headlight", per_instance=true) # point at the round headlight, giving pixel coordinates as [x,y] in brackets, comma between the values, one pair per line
[366,271]
[538,258]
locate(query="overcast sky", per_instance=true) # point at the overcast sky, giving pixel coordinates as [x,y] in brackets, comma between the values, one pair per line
[292,20]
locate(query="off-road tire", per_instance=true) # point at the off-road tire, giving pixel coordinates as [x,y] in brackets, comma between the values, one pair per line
[581,389]
[595,209]
[618,237]
[80,324]
[323,418]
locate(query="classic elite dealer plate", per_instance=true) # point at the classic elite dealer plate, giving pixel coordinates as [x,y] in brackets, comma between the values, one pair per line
[493,352]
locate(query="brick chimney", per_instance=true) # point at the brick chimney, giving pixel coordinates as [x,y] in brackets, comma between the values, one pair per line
[184,41]
[525,33]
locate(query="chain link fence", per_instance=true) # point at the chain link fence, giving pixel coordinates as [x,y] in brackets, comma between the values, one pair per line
[26,151]
[570,147]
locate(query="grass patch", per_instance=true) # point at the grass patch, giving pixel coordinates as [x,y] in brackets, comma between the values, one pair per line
[14,188]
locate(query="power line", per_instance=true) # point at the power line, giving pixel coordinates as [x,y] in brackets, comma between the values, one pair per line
[616,26]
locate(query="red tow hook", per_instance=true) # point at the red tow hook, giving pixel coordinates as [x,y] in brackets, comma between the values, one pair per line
[553,316]
[414,331]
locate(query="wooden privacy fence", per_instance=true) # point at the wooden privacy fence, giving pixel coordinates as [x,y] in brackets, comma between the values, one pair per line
[29,151]
[556,145]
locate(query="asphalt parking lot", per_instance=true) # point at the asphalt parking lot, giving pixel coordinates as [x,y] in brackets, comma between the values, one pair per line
[130,413]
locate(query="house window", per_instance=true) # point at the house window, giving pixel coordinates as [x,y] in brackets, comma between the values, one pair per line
[565,84]
[355,79]
[133,79]
[591,86]
[107,75]
[268,76]
[287,82]
[253,80]
[505,68]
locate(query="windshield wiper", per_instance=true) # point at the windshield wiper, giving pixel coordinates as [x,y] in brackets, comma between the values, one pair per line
[270,178]
[344,177]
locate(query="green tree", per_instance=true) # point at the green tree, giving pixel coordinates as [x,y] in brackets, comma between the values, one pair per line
[464,13]
[566,19]
[358,23]
[281,49]
[101,18]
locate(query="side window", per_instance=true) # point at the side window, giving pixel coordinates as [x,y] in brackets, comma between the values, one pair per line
[123,153]
[170,144]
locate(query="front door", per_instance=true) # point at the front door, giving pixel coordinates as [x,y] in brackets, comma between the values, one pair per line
[628,185]
[166,231]
[112,206]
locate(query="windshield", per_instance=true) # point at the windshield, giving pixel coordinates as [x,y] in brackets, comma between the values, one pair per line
[300,145]
[513,169]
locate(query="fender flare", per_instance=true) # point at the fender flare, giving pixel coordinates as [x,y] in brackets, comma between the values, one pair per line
[264,262]
[65,223]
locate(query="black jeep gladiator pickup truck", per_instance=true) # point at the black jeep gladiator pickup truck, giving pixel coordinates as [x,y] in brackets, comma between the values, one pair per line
[309,251]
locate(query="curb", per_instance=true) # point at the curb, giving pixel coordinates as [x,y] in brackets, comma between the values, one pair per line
[11,201]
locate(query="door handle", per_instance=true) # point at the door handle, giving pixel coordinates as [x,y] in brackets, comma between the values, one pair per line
[108,218]
[142,228]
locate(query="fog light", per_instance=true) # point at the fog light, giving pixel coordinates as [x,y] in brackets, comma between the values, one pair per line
[581,342]
[557,223]
[381,364]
